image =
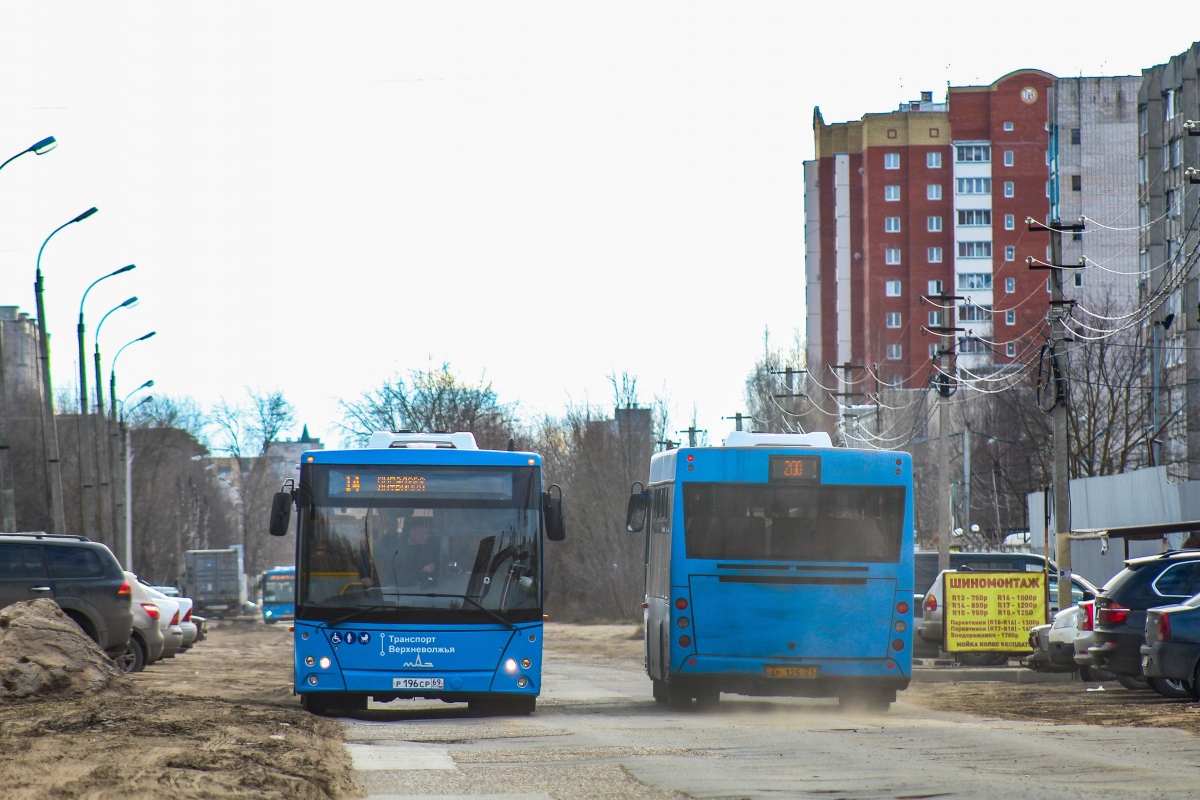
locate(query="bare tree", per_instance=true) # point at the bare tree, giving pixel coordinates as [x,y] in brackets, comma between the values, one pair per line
[768,402]
[162,411]
[428,401]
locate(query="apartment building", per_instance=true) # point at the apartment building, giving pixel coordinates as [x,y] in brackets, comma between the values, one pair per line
[932,196]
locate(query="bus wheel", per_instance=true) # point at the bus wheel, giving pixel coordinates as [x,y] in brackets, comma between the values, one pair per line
[333,704]
[662,692]
[503,706]
[314,704]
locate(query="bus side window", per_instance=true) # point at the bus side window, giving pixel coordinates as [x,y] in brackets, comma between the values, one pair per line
[659,568]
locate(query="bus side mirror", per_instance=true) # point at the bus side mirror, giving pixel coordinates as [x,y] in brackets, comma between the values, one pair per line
[635,512]
[281,513]
[552,511]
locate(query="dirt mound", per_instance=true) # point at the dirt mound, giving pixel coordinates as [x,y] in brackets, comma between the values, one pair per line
[44,655]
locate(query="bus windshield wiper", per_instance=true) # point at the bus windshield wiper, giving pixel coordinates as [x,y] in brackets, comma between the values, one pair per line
[356,612]
[468,598]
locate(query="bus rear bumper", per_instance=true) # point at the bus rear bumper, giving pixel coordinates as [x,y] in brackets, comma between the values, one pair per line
[455,687]
[756,677]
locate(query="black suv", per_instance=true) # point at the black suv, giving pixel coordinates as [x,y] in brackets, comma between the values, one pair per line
[82,576]
[1148,582]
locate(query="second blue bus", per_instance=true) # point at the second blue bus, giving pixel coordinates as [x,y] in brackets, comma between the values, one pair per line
[278,587]
[777,565]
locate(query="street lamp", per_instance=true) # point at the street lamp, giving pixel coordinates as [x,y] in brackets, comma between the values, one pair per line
[85,439]
[58,522]
[112,373]
[38,149]
[8,506]
[147,385]
[127,473]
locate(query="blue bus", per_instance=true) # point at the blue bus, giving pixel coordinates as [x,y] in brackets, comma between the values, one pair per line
[777,565]
[419,573]
[278,588]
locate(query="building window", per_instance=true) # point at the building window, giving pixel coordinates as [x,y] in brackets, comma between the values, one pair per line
[892,133]
[935,287]
[1008,189]
[891,224]
[1076,183]
[975,280]
[1010,316]
[1048,289]
[895,352]
[974,249]
[1010,222]
[1076,136]
[974,313]
[935,133]
[1169,105]
[1079,279]
[1008,126]
[891,288]
[892,319]
[1142,172]
[933,351]
[1010,253]
[968,345]
[933,224]
[934,255]
[933,191]
[1010,285]
[891,193]
[935,319]
[933,160]
[1143,120]
[891,161]
[974,185]
[1176,152]
[891,256]
[1010,349]
[1173,197]
[973,153]
[1008,158]
[975,217]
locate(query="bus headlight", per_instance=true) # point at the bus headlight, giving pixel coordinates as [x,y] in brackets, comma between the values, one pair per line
[526,663]
[312,680]
[310,661]
[522,682]
[325,662]
[510,665]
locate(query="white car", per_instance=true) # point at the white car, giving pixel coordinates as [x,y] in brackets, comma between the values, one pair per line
[172,632]
[1054,644]
[185,621]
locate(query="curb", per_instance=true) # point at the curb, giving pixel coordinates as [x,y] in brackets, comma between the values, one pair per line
[1000,674]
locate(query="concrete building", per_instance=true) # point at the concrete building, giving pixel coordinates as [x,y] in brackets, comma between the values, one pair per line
[1169,286]
[934,196]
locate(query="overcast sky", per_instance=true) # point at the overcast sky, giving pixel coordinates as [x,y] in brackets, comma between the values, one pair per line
[320,195]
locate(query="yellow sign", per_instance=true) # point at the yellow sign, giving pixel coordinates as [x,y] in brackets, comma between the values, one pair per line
[991,611]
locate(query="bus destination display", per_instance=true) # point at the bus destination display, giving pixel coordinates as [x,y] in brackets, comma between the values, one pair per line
[435,484]
[795,469]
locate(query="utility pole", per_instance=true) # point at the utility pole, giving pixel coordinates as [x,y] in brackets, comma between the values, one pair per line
[691,431]
[846,392]
[966,492]
[737,418]
[54,491]
[944,382]
[8,505]
[1058,331]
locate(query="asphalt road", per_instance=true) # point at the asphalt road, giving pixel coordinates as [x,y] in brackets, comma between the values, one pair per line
[598,733]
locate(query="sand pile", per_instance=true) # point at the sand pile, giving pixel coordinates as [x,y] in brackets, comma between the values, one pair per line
[44,655]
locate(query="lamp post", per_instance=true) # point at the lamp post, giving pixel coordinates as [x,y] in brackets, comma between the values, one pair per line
[54,493]
[119,443]
[104,458]
[90,511]
[8,506]
[127,471]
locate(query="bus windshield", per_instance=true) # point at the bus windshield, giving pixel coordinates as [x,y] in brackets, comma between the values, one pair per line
[832,523]
[419,543]
[279,589]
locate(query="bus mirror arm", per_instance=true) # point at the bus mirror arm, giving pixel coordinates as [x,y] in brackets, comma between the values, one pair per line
[635,514]
[552,512]
[281,509]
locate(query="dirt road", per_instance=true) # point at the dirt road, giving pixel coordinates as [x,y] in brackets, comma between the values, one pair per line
[221,721]
[216,721]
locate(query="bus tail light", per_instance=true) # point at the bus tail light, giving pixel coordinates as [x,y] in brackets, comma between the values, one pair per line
[902,607]
[685,641]
[897,645]
[681,604]
[683,622]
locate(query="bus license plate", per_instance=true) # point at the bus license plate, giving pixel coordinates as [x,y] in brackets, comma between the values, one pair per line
[418,683]
[793,672]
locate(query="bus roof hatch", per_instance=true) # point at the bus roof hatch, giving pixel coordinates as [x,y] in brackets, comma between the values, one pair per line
[746,439]
[423,441]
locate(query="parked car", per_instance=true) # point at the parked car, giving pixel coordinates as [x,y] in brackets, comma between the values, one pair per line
[146,642]
[925,572]
[172,632]
[1172,644]
[82,576]
[930,627]
[1120,621]
[1053,645]
[169,591]
[201,627]
[190,631]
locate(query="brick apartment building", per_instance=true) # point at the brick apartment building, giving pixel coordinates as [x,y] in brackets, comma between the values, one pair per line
[932,196]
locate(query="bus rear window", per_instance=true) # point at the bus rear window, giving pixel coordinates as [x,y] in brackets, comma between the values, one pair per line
[824,523]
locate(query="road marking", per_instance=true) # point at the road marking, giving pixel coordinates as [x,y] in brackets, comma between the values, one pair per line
[399,756]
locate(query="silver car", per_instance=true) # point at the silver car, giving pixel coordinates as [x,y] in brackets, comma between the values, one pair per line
[146,642]
[190,631]
[169,622]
